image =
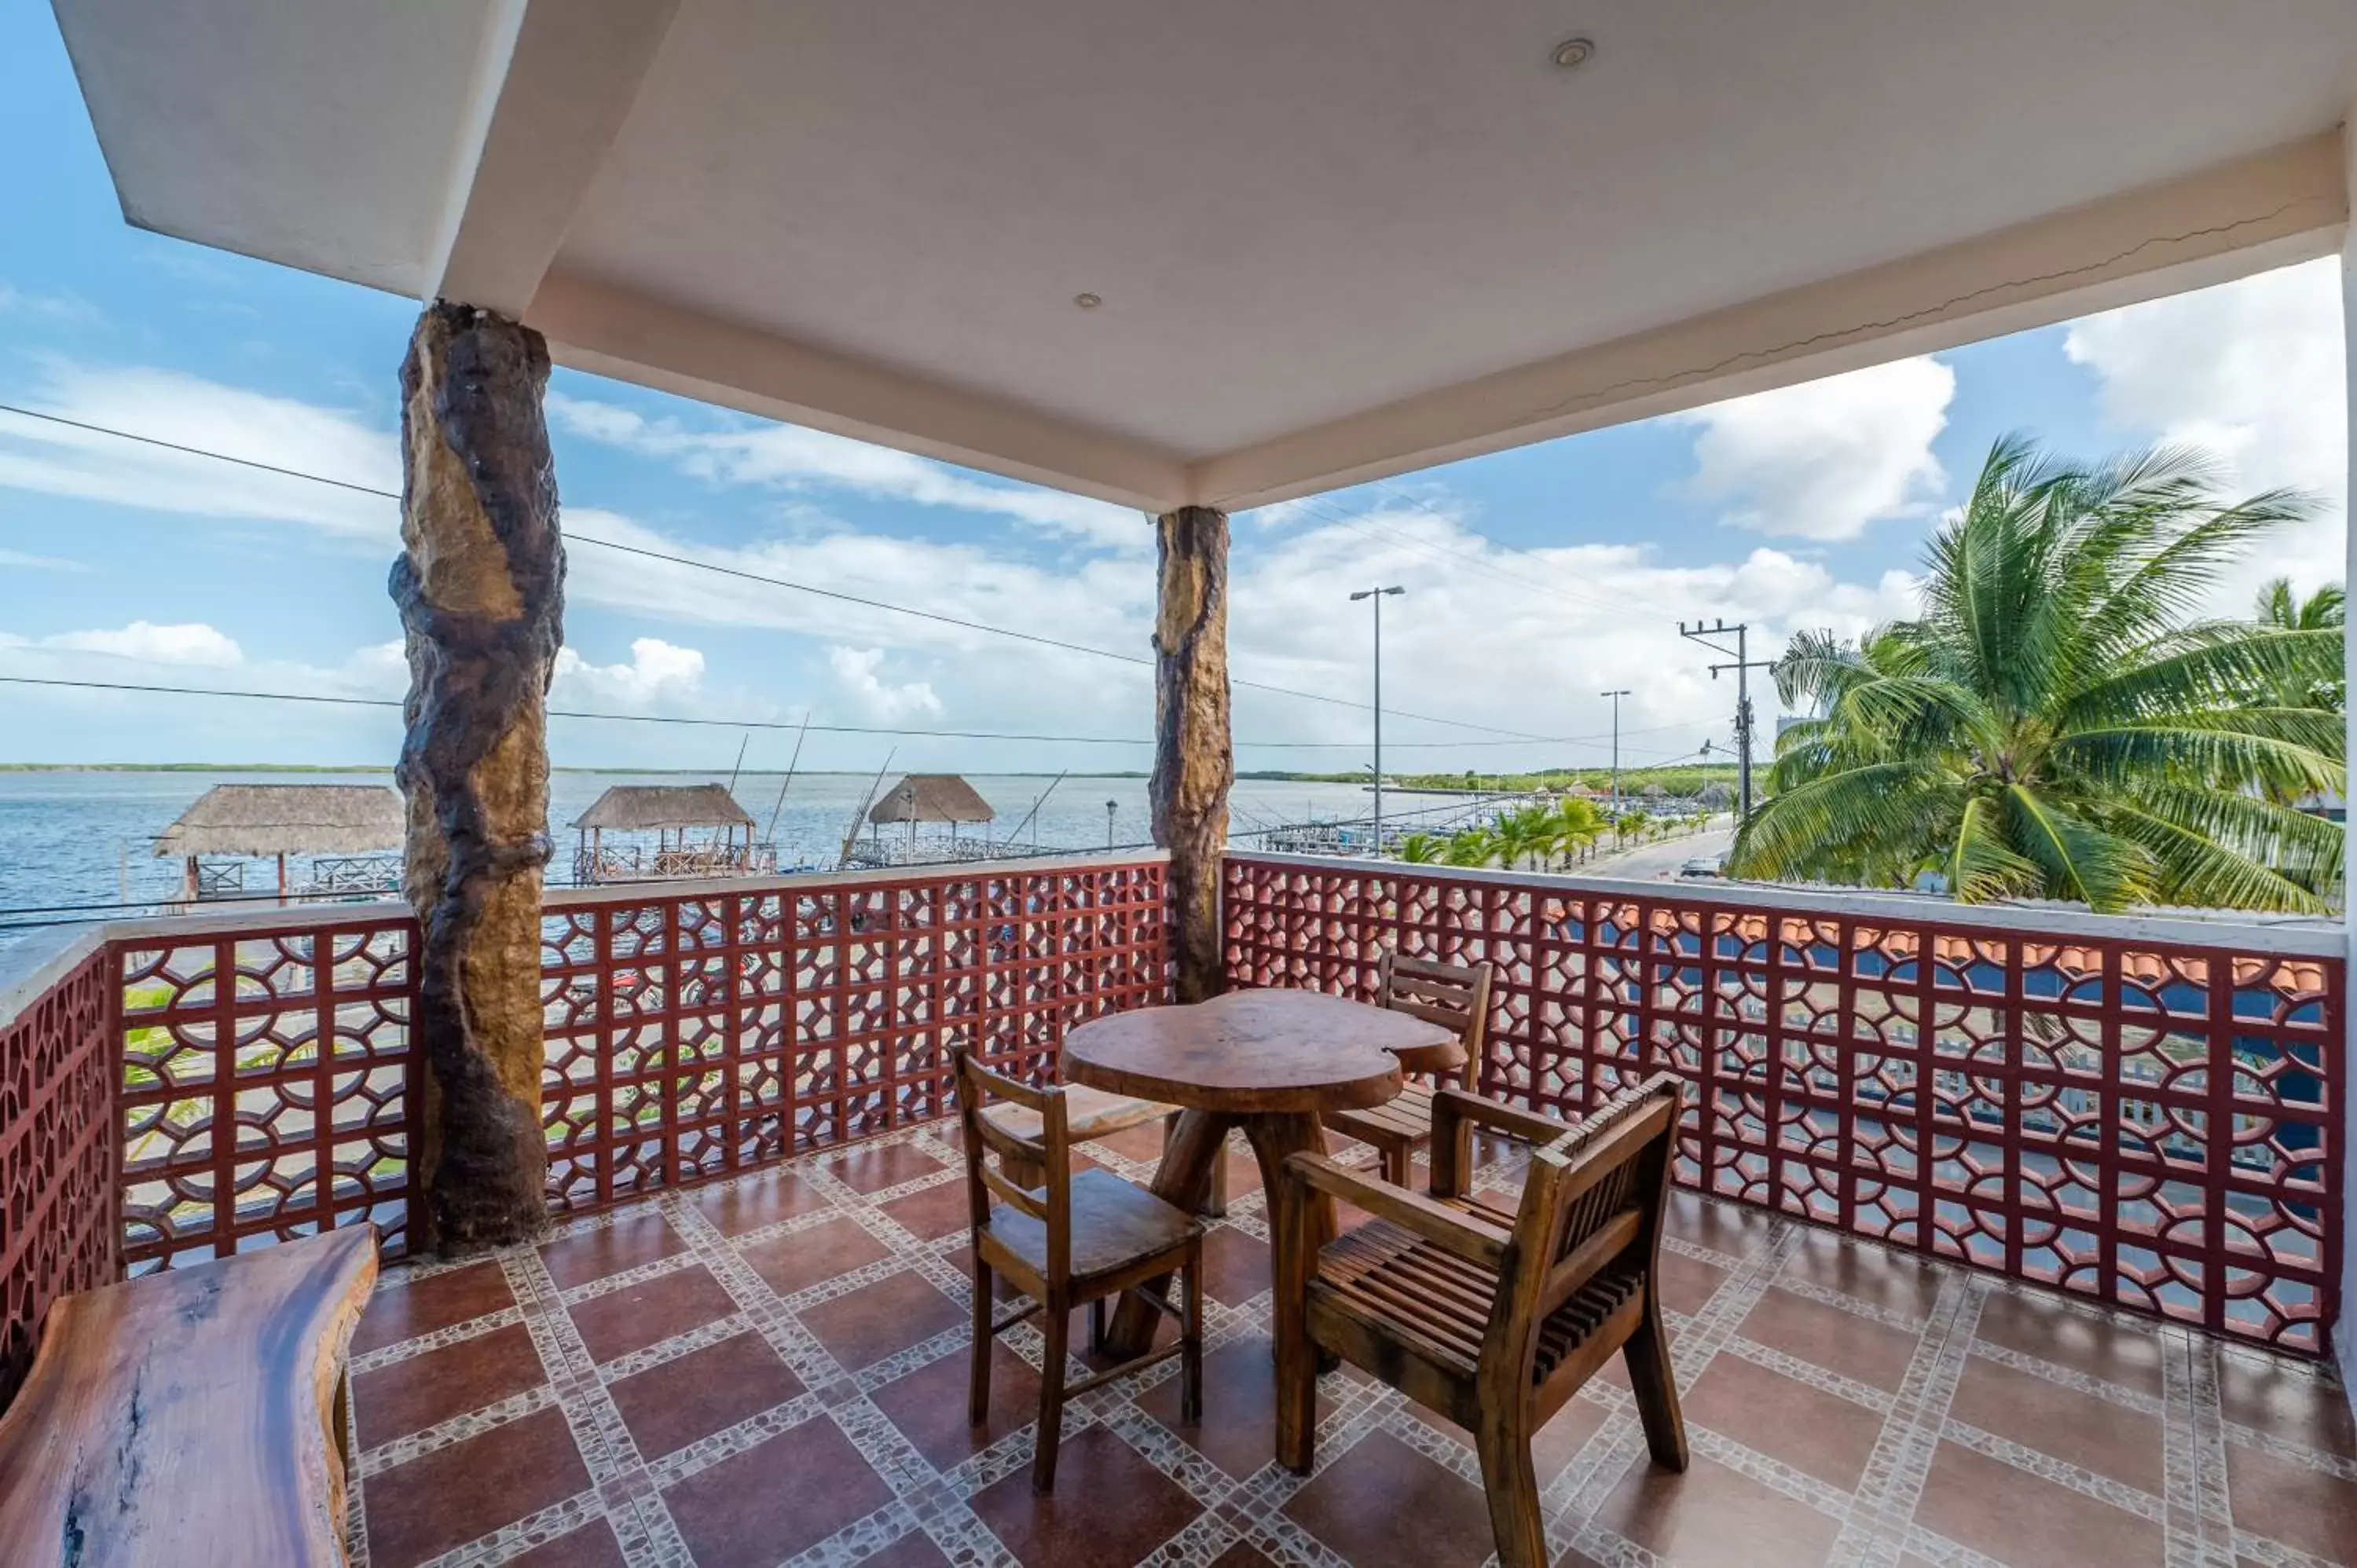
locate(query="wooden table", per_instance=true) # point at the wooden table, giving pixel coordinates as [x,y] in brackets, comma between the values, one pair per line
[1266,1061]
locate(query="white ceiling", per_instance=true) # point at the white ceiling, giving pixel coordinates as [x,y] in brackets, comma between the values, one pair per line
[1296,213]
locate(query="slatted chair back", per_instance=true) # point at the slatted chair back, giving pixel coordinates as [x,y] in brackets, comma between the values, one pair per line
[1594,1199]
[1454,996]
[1050,1155]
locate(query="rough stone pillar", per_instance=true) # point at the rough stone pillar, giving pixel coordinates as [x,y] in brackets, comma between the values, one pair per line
[1194,758]
[480,587]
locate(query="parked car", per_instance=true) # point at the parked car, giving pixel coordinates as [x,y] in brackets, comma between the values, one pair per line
[1704,866]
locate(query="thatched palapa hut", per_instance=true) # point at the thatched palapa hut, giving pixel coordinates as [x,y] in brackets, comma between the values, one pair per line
[931,798]
[675,815]
[340,825]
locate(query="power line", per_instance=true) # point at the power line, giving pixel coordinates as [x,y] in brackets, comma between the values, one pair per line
[337,700]
[753,576]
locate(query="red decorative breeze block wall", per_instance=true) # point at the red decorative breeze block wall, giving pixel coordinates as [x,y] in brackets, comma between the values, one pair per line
[59,1230]
[2154,1125]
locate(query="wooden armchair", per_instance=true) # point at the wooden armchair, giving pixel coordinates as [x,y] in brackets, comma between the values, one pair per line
[1069,1241]
[1491,1317]
[1454,996]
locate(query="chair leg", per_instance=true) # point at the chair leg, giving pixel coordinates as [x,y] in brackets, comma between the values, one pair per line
[1190,1343]
[1097,1326]
[1297,1353]
[1399,1164]
[1655,1385]
[1051,1397]
[977,1399]
[1511,1483]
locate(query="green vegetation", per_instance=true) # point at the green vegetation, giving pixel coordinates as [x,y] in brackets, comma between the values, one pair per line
[1542,838]
[1685,780]
[2058,723]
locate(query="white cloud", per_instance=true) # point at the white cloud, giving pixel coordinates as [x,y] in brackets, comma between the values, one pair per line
[1826,458]
[18,558]
[2253,371]
[659,675]
[856,669]
[192,642]
[789,456]
[205,416]
[59,307]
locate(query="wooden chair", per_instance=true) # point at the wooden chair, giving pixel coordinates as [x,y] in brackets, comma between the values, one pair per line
[1491,1317]
[1091,1114]
[1454,996]
[1072,1240]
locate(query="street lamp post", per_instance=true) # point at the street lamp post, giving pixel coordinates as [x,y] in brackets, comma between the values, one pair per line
[1378,596]
[1616,697]
[1110,807]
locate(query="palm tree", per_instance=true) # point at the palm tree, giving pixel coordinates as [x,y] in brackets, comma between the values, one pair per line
[2328,607]
[2055,724]
[1420,848]
[1470,846]
[1524,834]
[1577,825]
[1633,824]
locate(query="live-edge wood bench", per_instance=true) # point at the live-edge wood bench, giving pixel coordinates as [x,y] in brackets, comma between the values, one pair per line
[194,1418]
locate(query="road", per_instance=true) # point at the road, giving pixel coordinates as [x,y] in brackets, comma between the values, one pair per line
[1662,858]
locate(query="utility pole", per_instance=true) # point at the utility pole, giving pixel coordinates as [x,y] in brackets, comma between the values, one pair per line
[1378,594]
[1616,697]
[1742,664]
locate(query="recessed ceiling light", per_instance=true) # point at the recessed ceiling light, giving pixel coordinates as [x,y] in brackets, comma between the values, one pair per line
[1087,301]
[1573,53]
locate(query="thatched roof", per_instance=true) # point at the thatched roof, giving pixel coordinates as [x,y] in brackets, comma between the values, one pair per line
[931,798]
[646,807]
[287,819]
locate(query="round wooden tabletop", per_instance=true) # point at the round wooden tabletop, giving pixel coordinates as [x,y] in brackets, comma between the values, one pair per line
[1251,1052]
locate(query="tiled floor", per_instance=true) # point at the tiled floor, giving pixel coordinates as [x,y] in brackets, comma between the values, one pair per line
[774,1372]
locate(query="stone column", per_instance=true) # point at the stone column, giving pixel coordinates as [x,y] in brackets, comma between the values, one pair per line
[1194,759]
[480,587]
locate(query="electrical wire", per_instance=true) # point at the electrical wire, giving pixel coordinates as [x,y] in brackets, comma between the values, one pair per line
[688,561]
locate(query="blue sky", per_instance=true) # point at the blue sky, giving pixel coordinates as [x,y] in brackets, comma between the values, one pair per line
[1537,577]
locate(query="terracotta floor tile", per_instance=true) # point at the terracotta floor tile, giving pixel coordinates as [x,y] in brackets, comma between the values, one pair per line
[452,1496]
[633,1238]
[879,1320]
[591,1546]
[650,1312]
[1688,1283]
[929,1406]
[875,1167]
[1109,1509]
[1819,1434]
[1235,1265]
[1734,1228]
[1143,1142]
[2093,1434]
[914,1550]
[2286,1400]
[750,1202]
[1557,1443]
[759,1507]
[1836,1340]
[2118,1349]
[2027,1521]
[439,1301]
[800,1258]
[691,1396]
[426,1390]
[934,1212]
[2293,1504]
[1243,1555]
[1357,1506]
[1711,1516]
[1892,1280]
[1238,1432]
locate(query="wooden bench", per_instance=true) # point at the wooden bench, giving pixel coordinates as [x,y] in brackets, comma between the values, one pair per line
[194,1419]
[1092,1113]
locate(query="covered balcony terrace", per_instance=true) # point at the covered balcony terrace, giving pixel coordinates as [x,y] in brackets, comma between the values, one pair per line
[2039,1314]
[2003,1236]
